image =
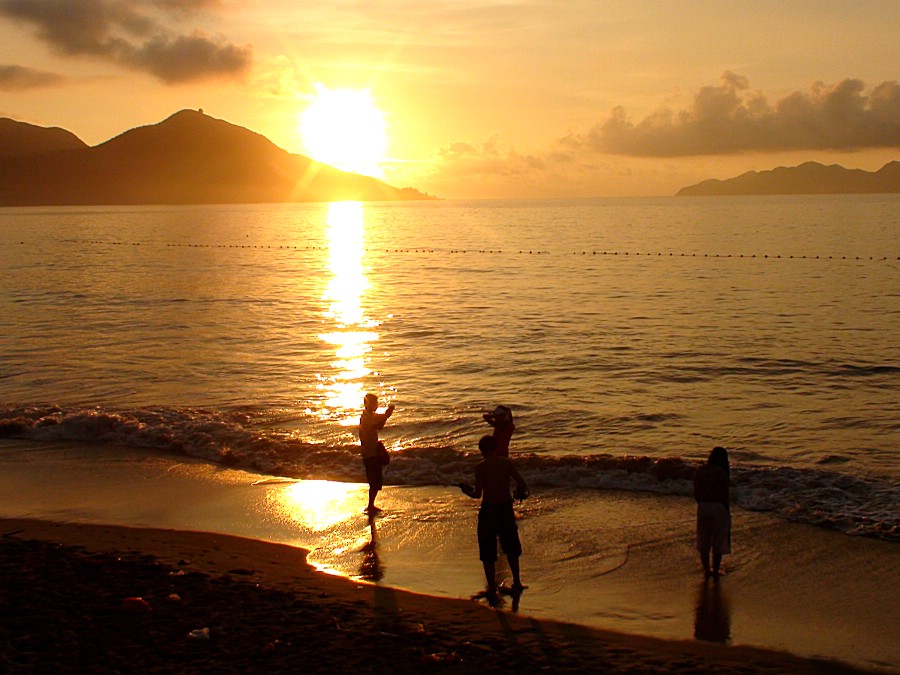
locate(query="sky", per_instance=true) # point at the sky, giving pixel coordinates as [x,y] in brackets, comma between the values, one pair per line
[485,100]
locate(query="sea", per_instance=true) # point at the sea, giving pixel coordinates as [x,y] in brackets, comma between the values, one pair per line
[628,336]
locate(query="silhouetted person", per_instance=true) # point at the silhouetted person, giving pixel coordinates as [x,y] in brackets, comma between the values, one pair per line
[370,423]
[501,418]
[711,491]
[496,518]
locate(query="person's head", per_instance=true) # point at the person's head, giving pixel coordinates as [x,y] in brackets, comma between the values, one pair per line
[487,445]
[502,414]
[370,401]
[718,456]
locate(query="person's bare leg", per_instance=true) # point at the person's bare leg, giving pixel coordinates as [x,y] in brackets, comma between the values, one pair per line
[704,560]
[717,562]
[371,508]
[490,574]
[514,568]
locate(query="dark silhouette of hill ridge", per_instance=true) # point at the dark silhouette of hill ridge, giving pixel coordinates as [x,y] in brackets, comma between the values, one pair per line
[807,178]
[20,139]
[188,158]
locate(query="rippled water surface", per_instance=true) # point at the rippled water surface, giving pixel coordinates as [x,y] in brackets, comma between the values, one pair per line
[655,327]
[638,325]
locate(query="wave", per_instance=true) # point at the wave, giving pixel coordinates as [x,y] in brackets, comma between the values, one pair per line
[687,366]
[854,505]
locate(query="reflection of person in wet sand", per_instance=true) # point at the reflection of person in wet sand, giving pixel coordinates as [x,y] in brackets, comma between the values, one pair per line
[712,617]
[370,568]
[496,518]
[711,491]
[370,423]
[501,418]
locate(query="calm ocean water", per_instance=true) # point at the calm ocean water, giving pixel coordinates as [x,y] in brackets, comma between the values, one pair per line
[629,337]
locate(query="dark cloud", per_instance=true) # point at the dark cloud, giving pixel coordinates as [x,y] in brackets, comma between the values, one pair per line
[730,118]
[188,5]
[189,57]
[132,34]
[20,78]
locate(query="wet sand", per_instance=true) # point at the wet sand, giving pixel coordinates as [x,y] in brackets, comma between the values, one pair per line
[210,603]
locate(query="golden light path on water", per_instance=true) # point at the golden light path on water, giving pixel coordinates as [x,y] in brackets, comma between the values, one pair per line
[326,510]
[351,331]
[325,516]
[321,508]
[318,505]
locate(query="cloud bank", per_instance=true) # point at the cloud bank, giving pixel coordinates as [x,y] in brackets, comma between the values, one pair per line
[732,119]
[20,78]
[134,35]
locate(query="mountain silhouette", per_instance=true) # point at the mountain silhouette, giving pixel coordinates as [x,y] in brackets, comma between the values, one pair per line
[18,139]
[188,158]
[808,178]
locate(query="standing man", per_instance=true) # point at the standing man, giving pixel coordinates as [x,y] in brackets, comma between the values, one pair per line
[370,423]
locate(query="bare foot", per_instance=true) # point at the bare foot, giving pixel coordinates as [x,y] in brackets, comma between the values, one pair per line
[514,589]
[492,597]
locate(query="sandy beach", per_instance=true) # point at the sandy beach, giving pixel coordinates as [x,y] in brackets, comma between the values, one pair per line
[215,604]
[612,577]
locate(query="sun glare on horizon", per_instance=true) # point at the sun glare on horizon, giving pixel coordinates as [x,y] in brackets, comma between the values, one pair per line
[345,129]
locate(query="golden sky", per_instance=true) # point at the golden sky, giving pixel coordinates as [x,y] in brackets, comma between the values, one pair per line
[507,99]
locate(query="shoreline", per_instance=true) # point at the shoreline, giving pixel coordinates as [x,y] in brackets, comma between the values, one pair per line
[266,608]
[617,561]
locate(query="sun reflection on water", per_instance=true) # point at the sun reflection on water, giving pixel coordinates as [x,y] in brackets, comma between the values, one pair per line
[352,332]
[317,505]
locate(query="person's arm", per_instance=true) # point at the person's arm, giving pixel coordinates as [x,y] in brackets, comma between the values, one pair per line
[479,483]
[474,491]
[521,487]
[382,418]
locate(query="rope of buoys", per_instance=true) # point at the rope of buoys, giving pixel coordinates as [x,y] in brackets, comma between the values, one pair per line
[465,251]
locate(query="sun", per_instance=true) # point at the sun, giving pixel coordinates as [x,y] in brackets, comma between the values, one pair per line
[345,129]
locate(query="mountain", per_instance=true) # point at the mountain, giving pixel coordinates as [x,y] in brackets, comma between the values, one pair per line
[808,178]
[18,139]
[188,158]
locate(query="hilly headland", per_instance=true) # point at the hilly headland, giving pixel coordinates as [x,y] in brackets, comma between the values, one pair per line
[188,158]
[808,178]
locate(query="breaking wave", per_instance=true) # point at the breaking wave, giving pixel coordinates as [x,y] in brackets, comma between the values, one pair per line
[849,504]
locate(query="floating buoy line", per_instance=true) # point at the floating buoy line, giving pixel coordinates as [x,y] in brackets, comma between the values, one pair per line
[469,251]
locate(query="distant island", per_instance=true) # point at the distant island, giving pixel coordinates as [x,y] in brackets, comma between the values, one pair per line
[808,178]
[188,158]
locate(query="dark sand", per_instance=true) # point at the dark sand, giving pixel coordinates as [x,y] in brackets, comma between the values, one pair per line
[65,609]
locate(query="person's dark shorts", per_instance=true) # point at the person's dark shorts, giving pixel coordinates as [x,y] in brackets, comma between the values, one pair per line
[497,521]
[374,472]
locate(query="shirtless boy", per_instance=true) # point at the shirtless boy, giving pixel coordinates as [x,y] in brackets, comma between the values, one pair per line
[495,517]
